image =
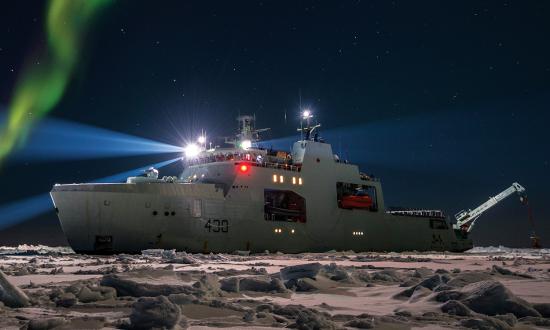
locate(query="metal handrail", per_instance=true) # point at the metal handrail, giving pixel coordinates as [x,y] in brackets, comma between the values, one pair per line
[419,213]
[286,167]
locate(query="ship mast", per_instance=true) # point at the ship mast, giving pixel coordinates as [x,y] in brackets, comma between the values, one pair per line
[306,116]
[247,133]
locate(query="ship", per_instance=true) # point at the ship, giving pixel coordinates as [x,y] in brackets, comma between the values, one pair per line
[244,196]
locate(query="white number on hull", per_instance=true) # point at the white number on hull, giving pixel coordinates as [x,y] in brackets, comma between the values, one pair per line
[217,226]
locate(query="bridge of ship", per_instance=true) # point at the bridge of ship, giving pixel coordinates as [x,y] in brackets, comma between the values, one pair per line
[256,157]
[252,157]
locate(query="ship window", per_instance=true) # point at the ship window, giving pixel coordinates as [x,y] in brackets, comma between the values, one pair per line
[284,205]
[274,177]
[196,210]
[356,196]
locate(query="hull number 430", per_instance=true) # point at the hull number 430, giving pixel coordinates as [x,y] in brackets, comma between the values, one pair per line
[217,226]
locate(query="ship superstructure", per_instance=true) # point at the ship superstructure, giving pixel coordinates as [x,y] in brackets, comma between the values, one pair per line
[244,197]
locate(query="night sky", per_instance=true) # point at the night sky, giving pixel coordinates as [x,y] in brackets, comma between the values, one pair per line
[446,102]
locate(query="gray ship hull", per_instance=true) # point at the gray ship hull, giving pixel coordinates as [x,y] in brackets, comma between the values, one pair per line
[110,218]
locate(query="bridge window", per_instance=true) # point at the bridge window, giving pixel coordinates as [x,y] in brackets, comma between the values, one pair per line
[284,205]
[356,196]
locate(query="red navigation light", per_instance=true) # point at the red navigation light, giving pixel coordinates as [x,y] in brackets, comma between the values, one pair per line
[243,168]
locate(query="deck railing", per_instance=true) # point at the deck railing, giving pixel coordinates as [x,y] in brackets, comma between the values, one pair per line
[286,167]
[419,213]
[238,161]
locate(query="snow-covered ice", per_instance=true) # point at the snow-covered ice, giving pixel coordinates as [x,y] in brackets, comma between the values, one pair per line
[494,287]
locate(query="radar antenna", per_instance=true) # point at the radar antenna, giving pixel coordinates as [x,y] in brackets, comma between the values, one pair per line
[308,129]
[247,132]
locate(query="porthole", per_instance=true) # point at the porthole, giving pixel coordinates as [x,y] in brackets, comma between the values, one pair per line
[166,213]
[155,213]
[173,213]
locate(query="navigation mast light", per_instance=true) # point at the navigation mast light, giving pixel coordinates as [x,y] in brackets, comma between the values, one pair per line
[192,150]
[306,114]
[201,139]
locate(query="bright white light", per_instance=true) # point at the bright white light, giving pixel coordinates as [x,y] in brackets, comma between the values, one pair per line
[201,139]
[192,150]
[246,144]
[306,114]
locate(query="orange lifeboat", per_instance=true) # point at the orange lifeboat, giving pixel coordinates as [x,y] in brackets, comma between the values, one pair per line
[356,202]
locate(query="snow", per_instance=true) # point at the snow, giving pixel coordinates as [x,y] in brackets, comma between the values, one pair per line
[341,288]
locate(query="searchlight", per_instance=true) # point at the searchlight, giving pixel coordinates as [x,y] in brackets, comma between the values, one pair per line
[246,144]
[191,150]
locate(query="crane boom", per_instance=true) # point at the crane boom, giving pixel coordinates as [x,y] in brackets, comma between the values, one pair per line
[466,219]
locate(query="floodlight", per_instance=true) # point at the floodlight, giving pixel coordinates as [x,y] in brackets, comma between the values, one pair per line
[192,150]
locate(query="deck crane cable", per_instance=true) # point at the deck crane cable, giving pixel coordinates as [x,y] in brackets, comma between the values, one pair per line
[535,239]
